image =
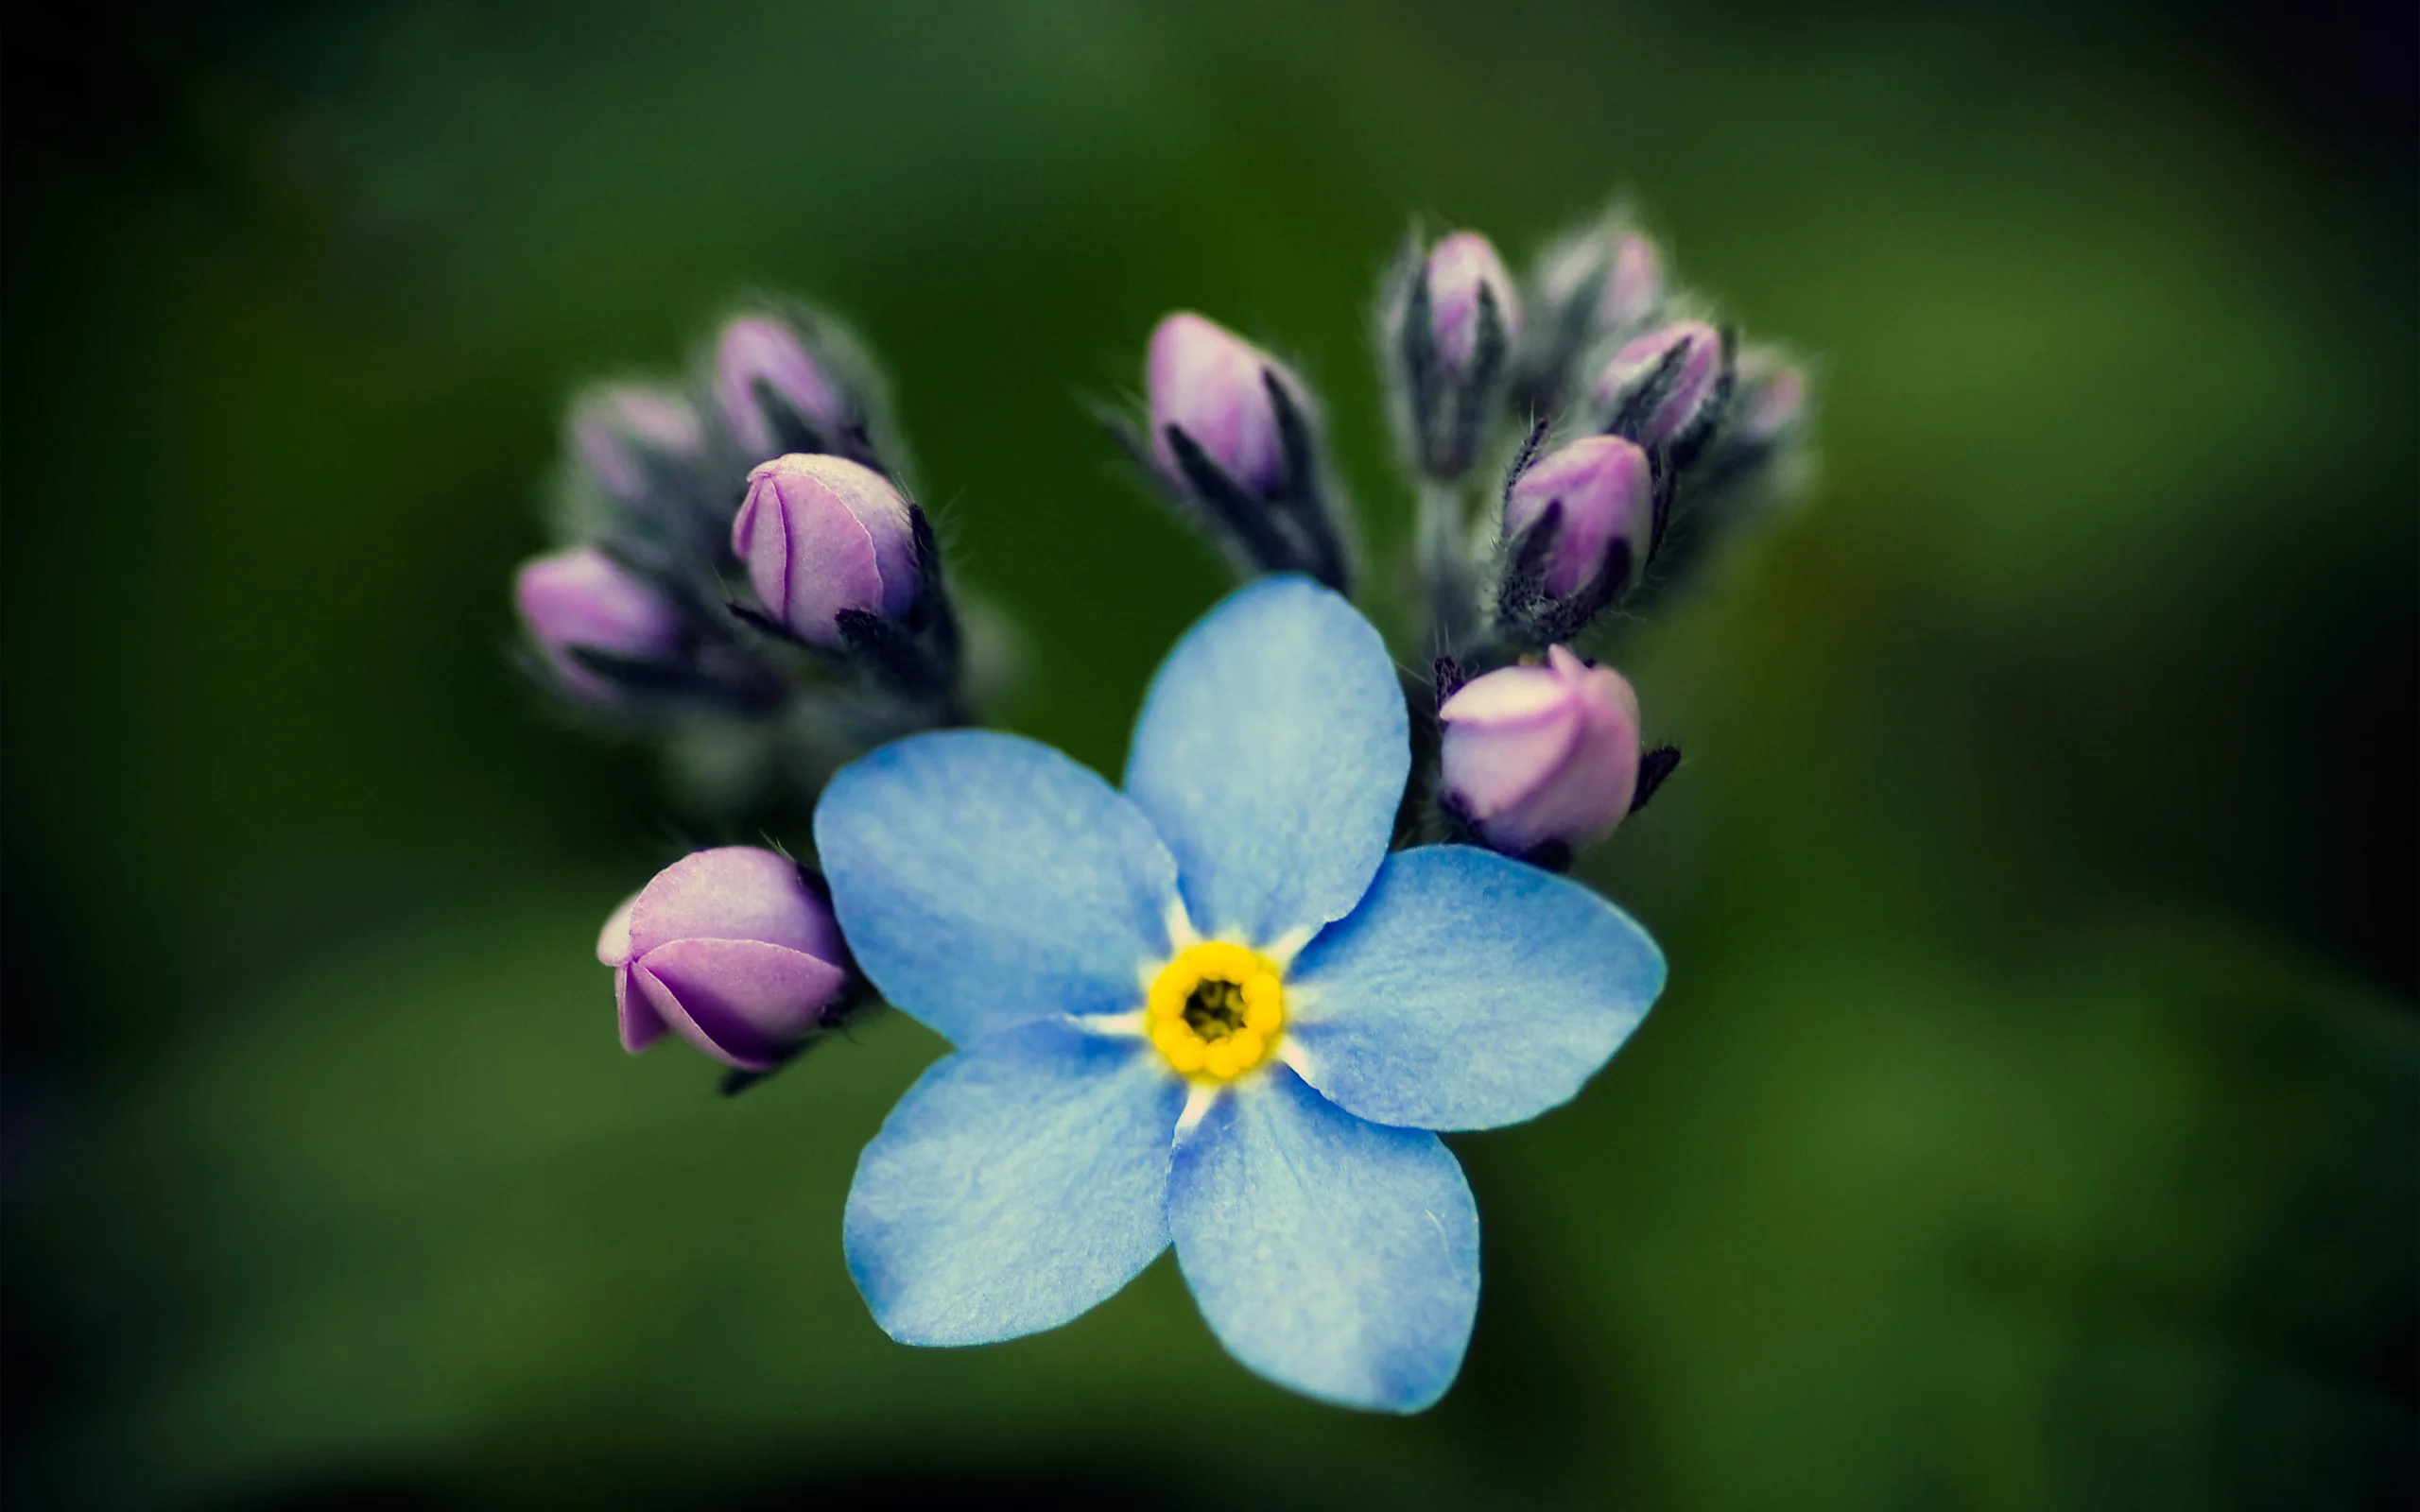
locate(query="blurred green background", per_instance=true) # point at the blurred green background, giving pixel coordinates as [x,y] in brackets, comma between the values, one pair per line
[2030,1121]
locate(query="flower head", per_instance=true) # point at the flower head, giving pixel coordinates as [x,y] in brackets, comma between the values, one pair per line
[581,598]
[823,535]
[1211,1010]
[731,949]
[1542,755]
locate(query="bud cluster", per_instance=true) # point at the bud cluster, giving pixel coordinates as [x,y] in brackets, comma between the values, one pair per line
[1628,424]
[1619,353]
[744,574]
[747,580]
[744,555]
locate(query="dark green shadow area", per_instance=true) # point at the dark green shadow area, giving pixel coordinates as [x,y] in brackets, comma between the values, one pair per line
[2030,1122]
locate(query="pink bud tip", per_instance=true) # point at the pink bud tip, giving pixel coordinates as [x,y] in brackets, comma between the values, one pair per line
[1206,381]
[1459,267]
[754,350]
[614,426]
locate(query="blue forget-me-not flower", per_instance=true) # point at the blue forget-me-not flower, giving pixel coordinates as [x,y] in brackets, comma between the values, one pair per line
[1212,1011]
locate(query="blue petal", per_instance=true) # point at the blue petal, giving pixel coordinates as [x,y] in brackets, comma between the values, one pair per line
[1272,754]
[982,878]
[1333,1256]
[1020,1182]
[1467,991]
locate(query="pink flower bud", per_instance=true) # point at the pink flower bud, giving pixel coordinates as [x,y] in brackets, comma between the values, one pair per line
[614,428]
[1459,267]
[823,534]
[1636,285]
[1623,266]
[1607,496]
[1664,384]
[1540,755]
[732,949]
[1206,380]
[756,351]
[1772,398]
[580,597]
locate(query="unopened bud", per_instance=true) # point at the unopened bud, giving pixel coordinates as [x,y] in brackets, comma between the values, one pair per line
[580,598]
[1464,274]
[1207,382]
[1771,400]
[1601,494]
[623,431]
[1667,387]
[773,396]
[732,949]
[821,535]
[1451,317]
[1756,458]
[1233,442]
[1543,759]
[1603,282]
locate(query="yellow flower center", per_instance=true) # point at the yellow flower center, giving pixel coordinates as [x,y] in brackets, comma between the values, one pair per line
[1216,1009]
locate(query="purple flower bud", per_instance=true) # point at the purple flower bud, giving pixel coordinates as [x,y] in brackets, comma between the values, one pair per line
[1459,267]
[1206,380]
[754,350]
[1608,495]
[1622,266]
[1771,399]
[1664,384]
[1636,284]
[1537,755]
[823,534]
[580,597]
[729,948]
[1452,319]
[614,428]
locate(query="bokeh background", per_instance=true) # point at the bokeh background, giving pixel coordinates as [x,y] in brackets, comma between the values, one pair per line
[2030,1121]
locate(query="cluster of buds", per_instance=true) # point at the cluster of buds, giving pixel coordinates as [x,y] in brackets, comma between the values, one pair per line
[743,549]
[747,580]
[1618,350]
[1598,284]
[1628,426]
[744,568]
